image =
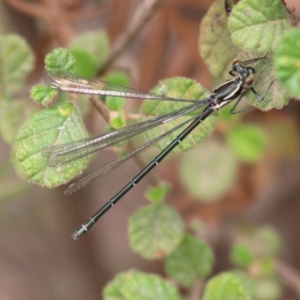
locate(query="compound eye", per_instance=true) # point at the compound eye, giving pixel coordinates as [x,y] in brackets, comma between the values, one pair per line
[236,63]
[249,81]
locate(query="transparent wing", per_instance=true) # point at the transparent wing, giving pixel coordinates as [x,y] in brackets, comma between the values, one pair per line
[114,164]
[64,153]
[70,83]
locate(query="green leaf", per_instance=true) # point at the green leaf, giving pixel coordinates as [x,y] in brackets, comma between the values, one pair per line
[96,43]
[41,93]
[158,193]
[268,289]
[85,63]
[269,238]
[178,88]
[60,60]
[84,105]
[287,62]
[276,97]
[119,78]
[241,254]
[13,114]
[16,61]
[56,125]
[118,121]
[248,142]
[258,25]
[208,171]
[227,118]
[113,290]
[267,266]
[134,285]
[215,41]
[225,286]
[191,260]
[247,281]
[196,226]
[257,249]
[155,230]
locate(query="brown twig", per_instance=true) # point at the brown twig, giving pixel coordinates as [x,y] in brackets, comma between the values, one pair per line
[142,15]
[289,276]
[57,17]
[35,10]
[38,11]
[100,107]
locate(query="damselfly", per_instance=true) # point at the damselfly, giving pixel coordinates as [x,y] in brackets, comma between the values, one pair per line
[227,92]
